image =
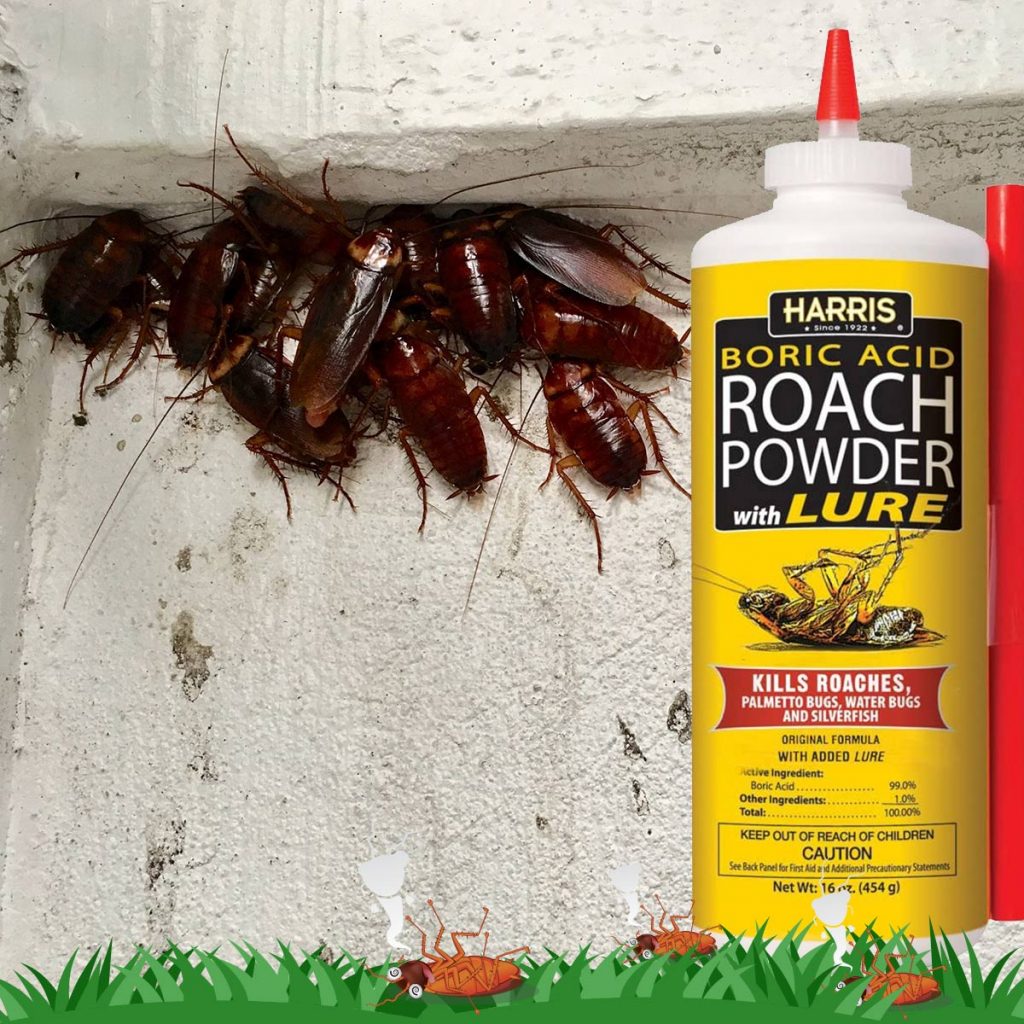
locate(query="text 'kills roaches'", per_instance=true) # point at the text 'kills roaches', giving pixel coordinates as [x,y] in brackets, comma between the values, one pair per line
[404,314]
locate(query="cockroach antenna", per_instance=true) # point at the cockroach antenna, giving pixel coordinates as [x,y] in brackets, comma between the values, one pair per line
[216,133]
[721,586]
[494,504]
[531,174]
[121,487]
[715,572]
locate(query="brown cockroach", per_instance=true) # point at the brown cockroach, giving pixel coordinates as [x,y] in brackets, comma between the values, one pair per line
[459,974]
[585,411]
[346,309]
[255,385]
[675,941]
[430,398]
[420,274]
[305,230]
[136,306]
[477,281]
[199,310]
[107,278]
[582,258]
[260,282]
[300,231]
[94,268]
[561,324]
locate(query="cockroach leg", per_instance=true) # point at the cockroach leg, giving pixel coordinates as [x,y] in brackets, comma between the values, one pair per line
[35,250]
[440,931]
[481,392]
[258,444]
[510,952]
[681,304]
[613,229]
[339,213]
[297,200]
[424,952]
[142,337]
[455,936]
[553,444]
[640,407]
[421,480]
[561,467]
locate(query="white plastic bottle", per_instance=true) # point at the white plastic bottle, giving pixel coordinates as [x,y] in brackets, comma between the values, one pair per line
[839,549]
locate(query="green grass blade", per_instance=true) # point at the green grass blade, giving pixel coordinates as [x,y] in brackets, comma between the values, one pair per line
[301,990]
[160,977]
[17,1003]
[961,993]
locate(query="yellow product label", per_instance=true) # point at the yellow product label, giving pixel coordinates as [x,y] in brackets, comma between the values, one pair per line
[839,596]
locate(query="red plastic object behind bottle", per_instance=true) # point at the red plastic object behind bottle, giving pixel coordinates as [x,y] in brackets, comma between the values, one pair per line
[1006,562]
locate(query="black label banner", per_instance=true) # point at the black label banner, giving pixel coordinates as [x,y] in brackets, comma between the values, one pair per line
[857,430]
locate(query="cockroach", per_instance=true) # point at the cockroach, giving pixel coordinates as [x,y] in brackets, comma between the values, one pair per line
[346,309]
[675,941]
[560,324]
[304,230]
[420,275]
[459,974]
[299,230]
[585,411]
[852,614]
[582,258]
[431,400]
[199,309]
[259,283]
[95,267]
[106,278]
[255,385]
[477,281]
[145,297]
[913,986]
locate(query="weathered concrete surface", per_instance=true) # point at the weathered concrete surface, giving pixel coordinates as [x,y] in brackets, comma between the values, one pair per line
[233,713]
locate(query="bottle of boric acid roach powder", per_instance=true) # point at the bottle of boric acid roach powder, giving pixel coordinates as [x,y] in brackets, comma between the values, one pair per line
[839,549]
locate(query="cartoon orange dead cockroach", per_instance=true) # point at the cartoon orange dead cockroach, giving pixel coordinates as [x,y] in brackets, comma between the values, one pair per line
[461,974]
[913,986]
[675,941]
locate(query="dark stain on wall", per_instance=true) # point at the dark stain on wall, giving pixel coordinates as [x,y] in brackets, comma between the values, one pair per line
[630,746]
[190,655]
[680,717]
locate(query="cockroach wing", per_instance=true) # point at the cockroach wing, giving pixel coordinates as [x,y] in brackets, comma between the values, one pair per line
[574,255]
[342,322]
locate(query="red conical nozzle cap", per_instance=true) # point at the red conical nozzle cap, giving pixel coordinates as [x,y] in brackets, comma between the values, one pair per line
[837,100]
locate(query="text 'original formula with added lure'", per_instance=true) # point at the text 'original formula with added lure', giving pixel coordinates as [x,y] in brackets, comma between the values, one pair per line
[839,549]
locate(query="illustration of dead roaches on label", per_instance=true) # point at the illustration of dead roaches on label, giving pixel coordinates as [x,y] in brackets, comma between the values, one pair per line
[847,610]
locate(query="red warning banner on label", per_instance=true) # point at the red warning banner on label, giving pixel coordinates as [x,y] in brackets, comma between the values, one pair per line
[758,698]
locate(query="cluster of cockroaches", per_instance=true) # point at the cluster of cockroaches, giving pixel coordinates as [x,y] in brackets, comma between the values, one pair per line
[410,311]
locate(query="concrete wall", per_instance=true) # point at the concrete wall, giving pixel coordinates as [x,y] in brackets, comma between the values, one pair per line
[234,713]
